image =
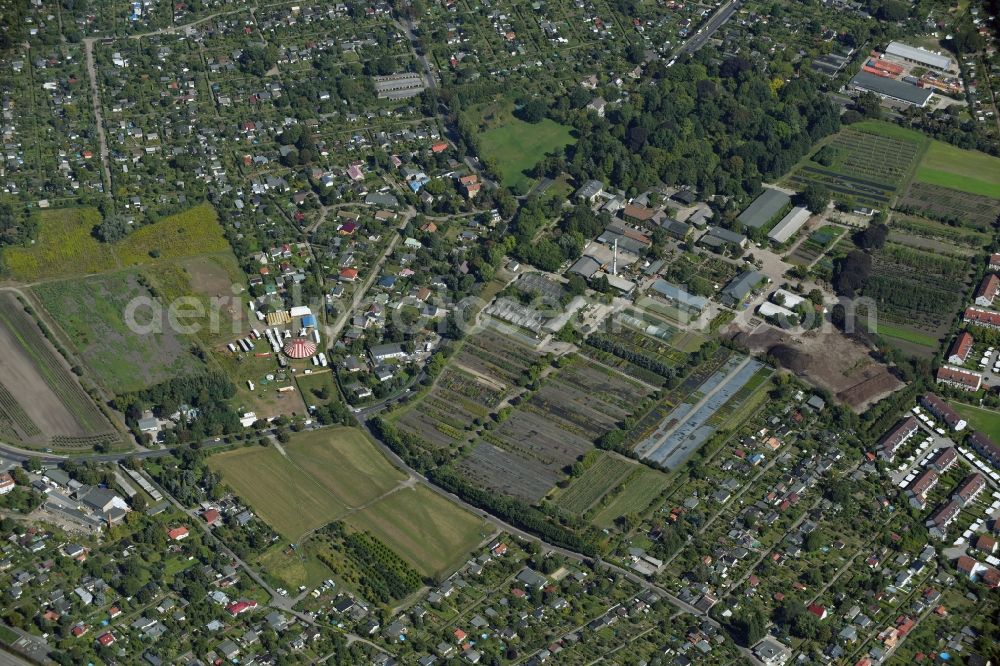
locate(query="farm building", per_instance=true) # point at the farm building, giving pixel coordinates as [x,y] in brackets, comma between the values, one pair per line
[770,310]
[740,287]
[787,298]
[988,290]
[717,237]
[918,56]
[789,224]
[983,318]
[943,411]
[764,208]
[959,378]
[897,91]
[299,348]
[585,267]
[960,348]
[677,296]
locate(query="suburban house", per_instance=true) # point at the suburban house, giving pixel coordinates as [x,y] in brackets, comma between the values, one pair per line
[589,191]
[943,460]
[944,516]
[771,652]
[985,447]
[942,410]
[973,484]
[979,317]
[177,533]
[385,352]
[895,438]
[960,348]
[994,263]
[988,290]
[967,380]
[6,483]
[923,484]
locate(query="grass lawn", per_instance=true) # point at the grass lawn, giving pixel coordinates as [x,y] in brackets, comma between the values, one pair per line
[425,529]
[518,146]
[985,420]
[907,335]
[294,567]
[67,248]
[321,380]
[890,130]
[964,170]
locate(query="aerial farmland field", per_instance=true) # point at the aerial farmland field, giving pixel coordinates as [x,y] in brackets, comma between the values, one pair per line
[338,474]
[41,402]
[865,163]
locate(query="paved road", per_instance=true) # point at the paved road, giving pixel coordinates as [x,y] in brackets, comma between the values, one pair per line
[698,40]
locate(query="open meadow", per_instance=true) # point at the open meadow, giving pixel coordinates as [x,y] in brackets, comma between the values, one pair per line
[425,529]
[91,312]
[66,246]
[985,420]
[515,145]
[963,170]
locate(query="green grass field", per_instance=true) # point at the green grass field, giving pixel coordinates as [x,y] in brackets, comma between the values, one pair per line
[91,311]
[428,531]
[285,496]
[985,420]
[67,248]
[338,474]
[889,130]
[907,335]
[345,463]
[638,494]
[518,146]
[326,474]
[964,170]
[600,478]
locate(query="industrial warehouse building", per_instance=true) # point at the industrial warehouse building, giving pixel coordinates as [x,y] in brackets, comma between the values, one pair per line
[898,91]
[789,224]
[918,56]
[764,208]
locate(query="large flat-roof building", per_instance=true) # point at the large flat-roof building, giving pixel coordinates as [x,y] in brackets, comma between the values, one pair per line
[897,91]
[764,208]
[789,224]
[677,296]
[919,56]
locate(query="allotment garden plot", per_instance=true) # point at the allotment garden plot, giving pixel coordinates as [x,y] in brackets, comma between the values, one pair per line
[41,403]
[525,456]
[489,368]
